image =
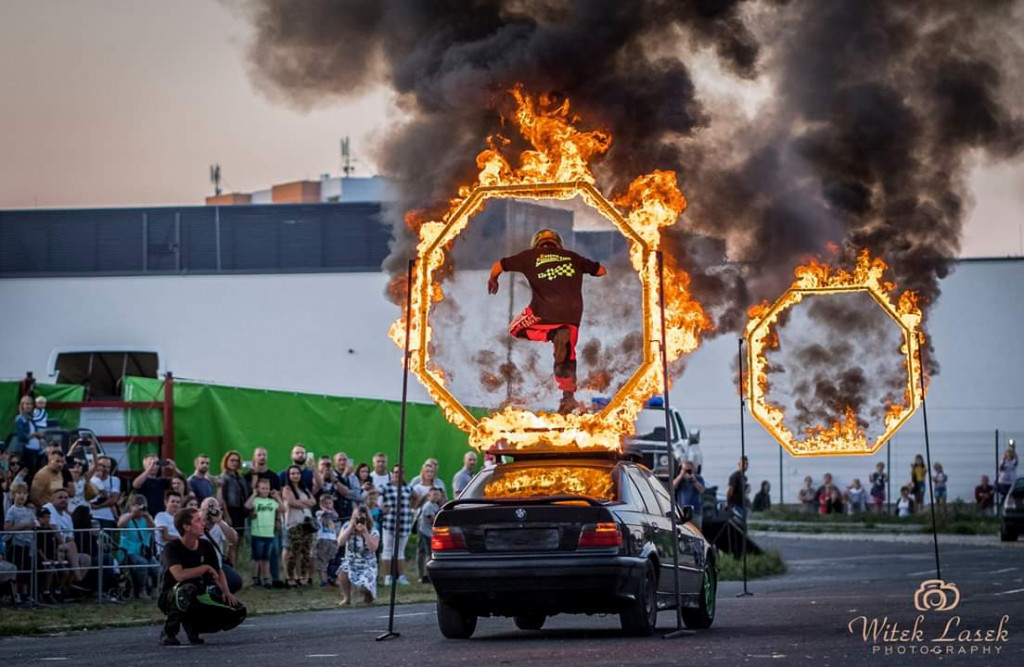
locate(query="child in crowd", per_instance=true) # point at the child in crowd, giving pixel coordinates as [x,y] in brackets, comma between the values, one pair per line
[857,496]
[325,546]
[425,530]
[879,480]
[373,505]
[40,418]
[809,496]
[20,517]
[48,543]
[939,480]
[905,505]
[264,512]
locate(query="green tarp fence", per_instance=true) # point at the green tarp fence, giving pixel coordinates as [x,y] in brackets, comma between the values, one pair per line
[9,398]
[212,420]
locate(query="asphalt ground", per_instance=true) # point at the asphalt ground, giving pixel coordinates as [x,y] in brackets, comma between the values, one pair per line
[802,617]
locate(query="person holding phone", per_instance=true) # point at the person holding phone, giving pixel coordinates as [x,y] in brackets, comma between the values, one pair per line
[153,481]
[689,488]
[139,546]
[108,492]
[360,539]
[312,480]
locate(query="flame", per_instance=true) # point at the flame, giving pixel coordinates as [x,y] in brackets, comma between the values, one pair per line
[845,435]
[556,167]
[550,481]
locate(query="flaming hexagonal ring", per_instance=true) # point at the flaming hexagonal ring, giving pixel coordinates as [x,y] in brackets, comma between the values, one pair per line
[844,436]
[514,428]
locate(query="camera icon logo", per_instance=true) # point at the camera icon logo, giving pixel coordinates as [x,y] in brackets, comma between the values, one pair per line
[936,595]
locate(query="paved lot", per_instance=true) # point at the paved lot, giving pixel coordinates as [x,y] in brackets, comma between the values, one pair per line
[799,618]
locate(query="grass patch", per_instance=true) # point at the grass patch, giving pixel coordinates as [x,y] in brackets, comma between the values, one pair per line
[766,564]
[959,518]
[88,615]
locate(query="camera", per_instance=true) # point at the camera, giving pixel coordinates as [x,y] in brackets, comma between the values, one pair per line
[361,520]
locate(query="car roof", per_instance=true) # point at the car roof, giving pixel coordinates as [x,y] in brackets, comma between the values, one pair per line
[589,462]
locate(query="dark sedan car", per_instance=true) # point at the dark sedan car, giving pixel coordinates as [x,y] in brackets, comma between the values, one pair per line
[545,536]
[1012,519]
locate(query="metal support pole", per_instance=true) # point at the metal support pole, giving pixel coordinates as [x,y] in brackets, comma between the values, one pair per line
[167,445]
[743,473]
[679,631]
[99,574]
[995,479]
[931,490]
[34,550]
[781,496]
[509,339]
[888,476]
[401,459]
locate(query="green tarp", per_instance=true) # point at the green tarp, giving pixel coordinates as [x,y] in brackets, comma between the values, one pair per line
[53,392]
[212,420]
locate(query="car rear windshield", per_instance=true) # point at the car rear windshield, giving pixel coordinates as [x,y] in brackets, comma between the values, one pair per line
[540,481]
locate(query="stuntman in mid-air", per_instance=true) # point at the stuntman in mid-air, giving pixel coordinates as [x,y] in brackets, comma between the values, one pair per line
[556,279]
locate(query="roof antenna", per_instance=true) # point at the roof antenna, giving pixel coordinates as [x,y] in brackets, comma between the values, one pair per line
[215,178]
[346,158]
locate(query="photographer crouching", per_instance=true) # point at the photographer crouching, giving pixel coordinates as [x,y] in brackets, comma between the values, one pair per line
[195,592]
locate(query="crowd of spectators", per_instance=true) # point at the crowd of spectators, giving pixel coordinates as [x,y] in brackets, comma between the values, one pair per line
[78,526]
[830,497]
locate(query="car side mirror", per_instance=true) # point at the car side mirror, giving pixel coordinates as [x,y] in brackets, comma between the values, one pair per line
[687,512]
[695,437]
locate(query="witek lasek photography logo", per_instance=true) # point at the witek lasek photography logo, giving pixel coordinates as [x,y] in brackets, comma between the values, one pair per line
[935,630]
[936,595]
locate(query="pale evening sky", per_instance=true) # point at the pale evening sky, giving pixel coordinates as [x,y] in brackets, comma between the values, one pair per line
[118,103]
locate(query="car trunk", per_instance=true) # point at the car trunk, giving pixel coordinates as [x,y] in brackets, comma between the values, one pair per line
[510,528]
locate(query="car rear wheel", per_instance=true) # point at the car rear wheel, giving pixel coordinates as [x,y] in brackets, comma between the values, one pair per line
[641,618]
[455,623]
[530,621]
[704,615]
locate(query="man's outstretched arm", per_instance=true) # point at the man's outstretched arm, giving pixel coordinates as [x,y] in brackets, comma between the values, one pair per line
[492,282]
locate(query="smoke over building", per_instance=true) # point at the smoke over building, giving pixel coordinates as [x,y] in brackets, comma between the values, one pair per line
[876,112]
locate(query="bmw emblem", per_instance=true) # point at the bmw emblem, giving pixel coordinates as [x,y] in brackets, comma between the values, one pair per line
[520,514]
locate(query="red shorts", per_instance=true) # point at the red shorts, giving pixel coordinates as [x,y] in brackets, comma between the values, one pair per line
[529,326]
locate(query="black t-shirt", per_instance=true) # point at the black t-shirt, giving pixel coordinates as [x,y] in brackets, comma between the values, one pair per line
[556,278]
[342,505]
[735,494]
[252,476]
[176,553]
[153,489]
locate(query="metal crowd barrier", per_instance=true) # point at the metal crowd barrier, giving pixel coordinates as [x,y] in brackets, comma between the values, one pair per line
[102,546]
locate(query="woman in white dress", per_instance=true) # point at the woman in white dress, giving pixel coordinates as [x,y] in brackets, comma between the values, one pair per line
[358,568]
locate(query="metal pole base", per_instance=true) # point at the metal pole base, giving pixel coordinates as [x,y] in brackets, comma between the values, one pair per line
[388,635]
[744,594]
[675,634]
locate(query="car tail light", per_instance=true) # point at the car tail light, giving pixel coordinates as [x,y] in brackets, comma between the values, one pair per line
[601,535]
[446,538]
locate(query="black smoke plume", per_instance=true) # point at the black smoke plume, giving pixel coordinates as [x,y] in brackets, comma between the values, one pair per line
[876,113]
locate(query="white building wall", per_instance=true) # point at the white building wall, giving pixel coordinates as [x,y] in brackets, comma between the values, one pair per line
[327,333]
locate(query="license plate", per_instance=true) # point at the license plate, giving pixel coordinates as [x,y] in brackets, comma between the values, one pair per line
[521,539]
